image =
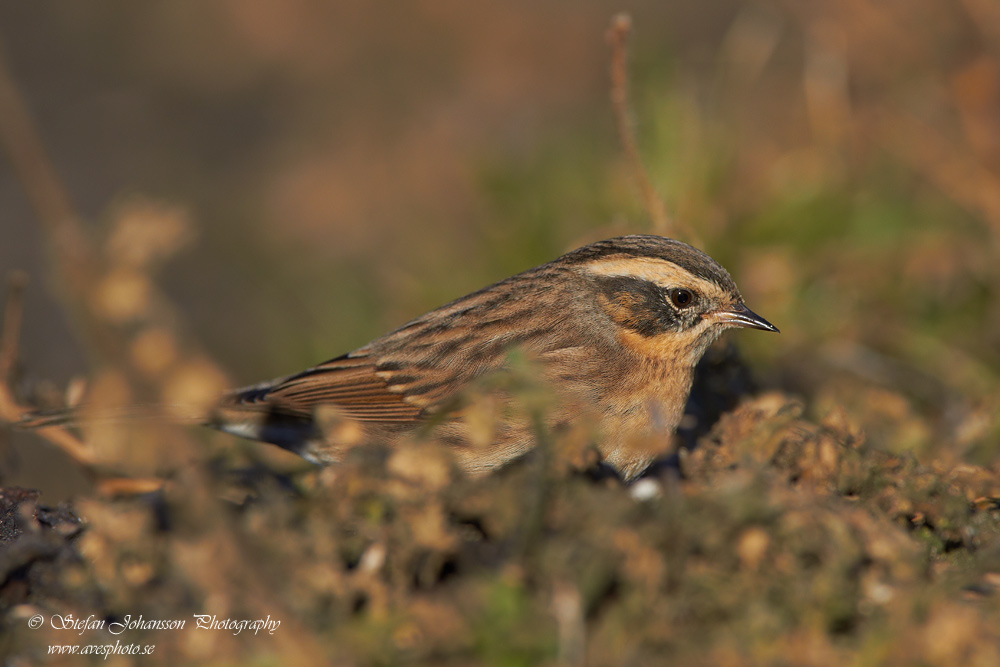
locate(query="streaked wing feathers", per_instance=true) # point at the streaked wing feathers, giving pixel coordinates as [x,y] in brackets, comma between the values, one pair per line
[406,374]
[351,383]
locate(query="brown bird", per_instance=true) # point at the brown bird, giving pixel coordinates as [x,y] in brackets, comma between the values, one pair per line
[615,328]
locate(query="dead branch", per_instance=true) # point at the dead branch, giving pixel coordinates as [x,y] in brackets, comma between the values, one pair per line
[10,337]
[618,33]
[76,269]
[11,410]
[124,487]
[23,144]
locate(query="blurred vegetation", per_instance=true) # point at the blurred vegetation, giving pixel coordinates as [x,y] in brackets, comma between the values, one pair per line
[841,159]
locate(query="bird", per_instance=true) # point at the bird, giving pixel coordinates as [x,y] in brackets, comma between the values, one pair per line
[613,330]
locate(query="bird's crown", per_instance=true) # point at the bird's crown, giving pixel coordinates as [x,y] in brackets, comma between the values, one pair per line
[622,255]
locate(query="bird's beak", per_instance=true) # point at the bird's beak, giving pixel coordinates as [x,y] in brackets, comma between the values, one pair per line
[741,316]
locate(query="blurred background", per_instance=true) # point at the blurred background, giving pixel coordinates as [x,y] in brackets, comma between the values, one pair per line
[331,170]
[265,185]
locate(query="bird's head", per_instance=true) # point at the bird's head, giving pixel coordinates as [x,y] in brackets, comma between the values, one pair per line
[668,298]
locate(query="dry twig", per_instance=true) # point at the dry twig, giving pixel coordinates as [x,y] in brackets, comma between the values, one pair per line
[10,337]
[618,34]
[75,265]
[11,410]
[75,269]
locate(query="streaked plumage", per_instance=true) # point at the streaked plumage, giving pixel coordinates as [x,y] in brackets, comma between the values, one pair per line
[615,329]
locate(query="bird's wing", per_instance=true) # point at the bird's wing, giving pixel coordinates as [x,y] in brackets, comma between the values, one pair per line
[408,373]
[358,385]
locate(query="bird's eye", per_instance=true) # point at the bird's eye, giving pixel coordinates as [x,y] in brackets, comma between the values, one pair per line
[681,298]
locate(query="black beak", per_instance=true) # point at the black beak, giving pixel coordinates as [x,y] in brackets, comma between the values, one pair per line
[741,316]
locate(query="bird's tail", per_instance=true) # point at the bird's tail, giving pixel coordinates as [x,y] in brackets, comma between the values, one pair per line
[84,414]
